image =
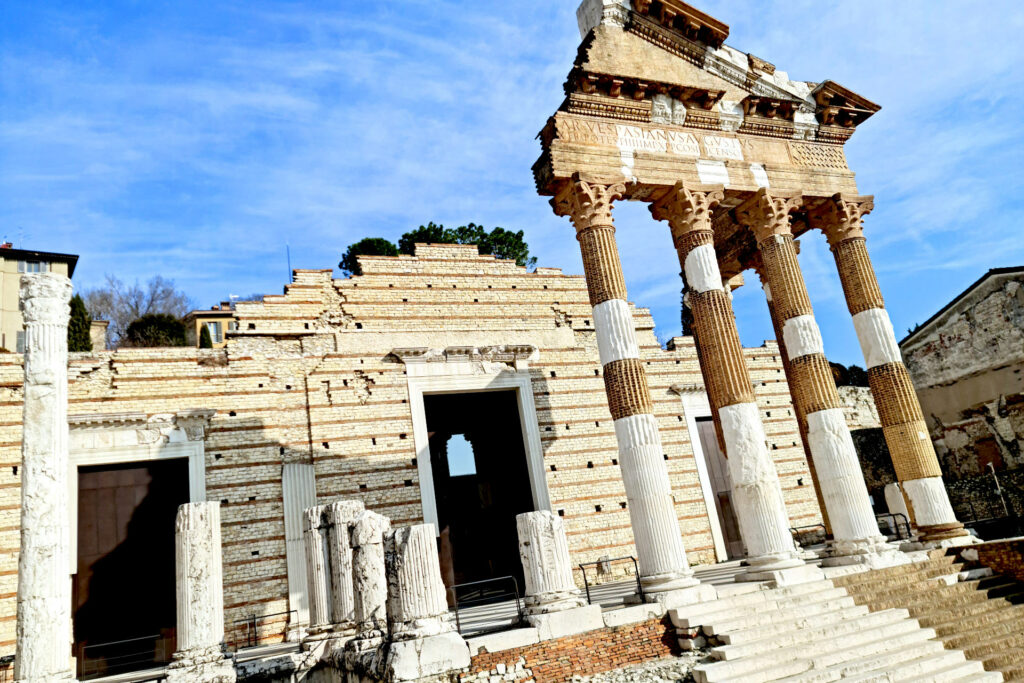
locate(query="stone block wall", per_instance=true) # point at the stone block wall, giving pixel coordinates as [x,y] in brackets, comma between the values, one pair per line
[310,378]
[1003,557]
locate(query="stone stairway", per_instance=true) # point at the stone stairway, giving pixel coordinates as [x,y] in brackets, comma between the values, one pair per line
[816,632]
[980,614]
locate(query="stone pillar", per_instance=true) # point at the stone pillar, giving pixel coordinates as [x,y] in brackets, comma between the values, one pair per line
[315,531]
[656,532]
[200,657]
[423,638]
[44,587]
[341,517]
[544,550]
[369,579]
[756,492]
[840,477]
[913,455]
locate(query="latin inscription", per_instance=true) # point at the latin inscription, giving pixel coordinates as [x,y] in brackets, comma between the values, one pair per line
[629,138]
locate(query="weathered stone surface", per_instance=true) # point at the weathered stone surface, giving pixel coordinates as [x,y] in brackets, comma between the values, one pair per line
[318,568]
[567,622]
[44,588]
[417,606]
[369,576]
[544,551]
[341,517]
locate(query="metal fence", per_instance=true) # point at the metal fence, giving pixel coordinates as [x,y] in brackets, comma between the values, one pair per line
[604,567]
[246,632]
[479,608]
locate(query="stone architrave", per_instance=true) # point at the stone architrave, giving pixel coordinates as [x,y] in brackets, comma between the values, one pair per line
[423,638]
[841,218]
[341,516]
[756,491]
[44,587]
[544,551]
[315,534]
[201,655]
[856,538]
[369,578]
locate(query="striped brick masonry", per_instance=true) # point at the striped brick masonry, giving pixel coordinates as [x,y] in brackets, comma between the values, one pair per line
[854,528]
[659,543]
[757,494]
[44,587]
[913,455]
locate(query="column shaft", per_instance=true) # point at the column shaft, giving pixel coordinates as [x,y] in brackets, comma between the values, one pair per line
[757,494]
[341,516]
[417,605]
[659,544]
[44,587]
[906,433]
[544,551]
[318,568]
[369,579]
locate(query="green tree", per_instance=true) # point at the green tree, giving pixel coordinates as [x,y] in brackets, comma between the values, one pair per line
[155,329]
[431,233]
[368,246]
[205,340]
[79,338]
[857,376]
[499,242]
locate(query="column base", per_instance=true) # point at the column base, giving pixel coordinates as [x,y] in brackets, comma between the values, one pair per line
[418,658]
[681,597]
[873,553]
[784,576]
[567,622]
[558,601]
[662,583]
[942,532]
[201,665]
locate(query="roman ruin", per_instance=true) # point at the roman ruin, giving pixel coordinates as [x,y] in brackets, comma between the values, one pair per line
[315,500]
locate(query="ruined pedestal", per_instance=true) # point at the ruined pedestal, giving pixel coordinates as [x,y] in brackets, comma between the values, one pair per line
[544,551]
[369,578]
[423,640]
[44,587]
[200,657]
[341,516]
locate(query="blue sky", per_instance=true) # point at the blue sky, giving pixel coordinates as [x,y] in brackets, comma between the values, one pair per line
[195,140]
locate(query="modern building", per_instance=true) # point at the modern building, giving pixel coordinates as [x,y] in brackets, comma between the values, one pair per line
[219,320]
[14,263]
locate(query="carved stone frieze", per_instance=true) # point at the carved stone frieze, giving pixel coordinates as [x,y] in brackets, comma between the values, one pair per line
[588,203]
[480,359]
[768,213]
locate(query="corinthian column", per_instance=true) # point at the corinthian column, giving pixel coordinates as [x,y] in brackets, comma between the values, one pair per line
[840,478]
[44,587]
[756,493]
[659,542]
[913,455]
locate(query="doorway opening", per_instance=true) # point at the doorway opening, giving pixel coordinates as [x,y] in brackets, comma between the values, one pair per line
[481,482]
[124,588]
[721,486]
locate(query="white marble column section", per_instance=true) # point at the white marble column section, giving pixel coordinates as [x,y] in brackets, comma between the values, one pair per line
[659,543]
[417,606]
[200,585]
[298,488]
[44,588]
[544,551]
[318,568]
[341,517]
[756,491]
[369,579]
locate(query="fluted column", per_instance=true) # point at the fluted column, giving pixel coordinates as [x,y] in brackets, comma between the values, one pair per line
[315,532]
[756,492]
[200,657]
[854,527]
[341,517]
[544,551]
[369,579]
[44,587]
[906,433]
[659,543]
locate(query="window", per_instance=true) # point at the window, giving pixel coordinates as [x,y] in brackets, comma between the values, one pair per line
[33,266]
[460,457]
[216,332]
[20,342]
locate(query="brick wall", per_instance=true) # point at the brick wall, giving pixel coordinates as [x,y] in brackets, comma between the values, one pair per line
[310,378]
[1003,557]
[584,654]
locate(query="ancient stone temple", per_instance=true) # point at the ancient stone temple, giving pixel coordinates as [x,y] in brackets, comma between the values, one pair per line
[314,500]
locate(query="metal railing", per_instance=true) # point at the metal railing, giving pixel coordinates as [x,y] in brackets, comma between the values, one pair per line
[598,563]
[799,532]
[902,532]
[251,624]
[122,658]
[482,596]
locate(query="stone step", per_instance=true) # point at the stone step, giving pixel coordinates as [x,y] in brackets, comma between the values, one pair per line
[946,602]
[992,640]
[765,617]
[893,621]
[787,623]
[1010,652]
[929,567]
[1013,672]
[883,654]
[966,672]
[781,662]
[941,617]
[740,606]
[932,667]
[913,580]
[922,589]
[956,621]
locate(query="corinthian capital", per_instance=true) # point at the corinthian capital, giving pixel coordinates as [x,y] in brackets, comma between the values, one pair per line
[841,217]
[44,298]
[587,202]
[767,213]
[688,209]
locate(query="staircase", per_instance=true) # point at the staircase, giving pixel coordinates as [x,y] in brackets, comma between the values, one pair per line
[817,632]
[981,614]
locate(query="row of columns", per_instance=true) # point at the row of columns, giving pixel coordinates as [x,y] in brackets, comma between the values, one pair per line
[757,494]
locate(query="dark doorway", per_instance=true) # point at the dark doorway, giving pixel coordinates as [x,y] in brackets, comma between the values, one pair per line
[124,604]
[481,482]
[721,485]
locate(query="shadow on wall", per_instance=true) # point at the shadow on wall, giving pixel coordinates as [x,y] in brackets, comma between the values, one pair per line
[876,463]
